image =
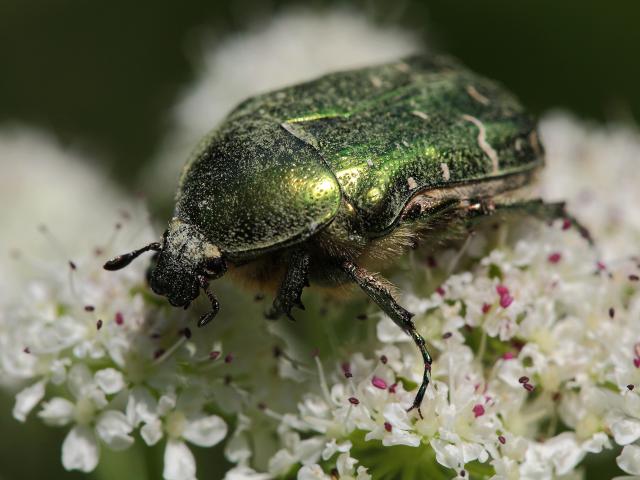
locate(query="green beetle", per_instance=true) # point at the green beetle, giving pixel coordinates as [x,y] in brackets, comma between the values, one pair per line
[316,182]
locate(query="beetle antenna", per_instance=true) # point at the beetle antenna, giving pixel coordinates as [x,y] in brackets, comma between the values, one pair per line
[215,305]
[125,259]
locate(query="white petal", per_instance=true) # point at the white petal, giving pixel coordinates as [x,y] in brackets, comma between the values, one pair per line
[179,463]
[309,450]
[281,462]
[205,431]
[141,406]
[626,430]
[629,459]
[80,450]
[151,432]
[596,443]
[401,437]
[109,380]
[312,472]
[345,464]
[388,332]
[237,448]
[563,451]
[113,429]
[27,399]
[166,404]
[332,447]
[58,370]
[363,474]
[57,412]
[447,454]
[473,451]
[397,415]
[245,473]
[96,396]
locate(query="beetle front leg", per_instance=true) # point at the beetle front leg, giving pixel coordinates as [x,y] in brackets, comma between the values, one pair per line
[290,291]
[380,294]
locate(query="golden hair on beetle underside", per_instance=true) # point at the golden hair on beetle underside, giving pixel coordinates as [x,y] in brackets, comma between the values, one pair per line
[262,275]
[266,274]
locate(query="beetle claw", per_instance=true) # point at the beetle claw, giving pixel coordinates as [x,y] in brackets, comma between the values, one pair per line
[415,407]
[206,318]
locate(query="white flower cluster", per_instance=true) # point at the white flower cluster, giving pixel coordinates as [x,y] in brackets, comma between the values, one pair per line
[536,364]
[601,163]
[537,360]
[42,184]
[101,360]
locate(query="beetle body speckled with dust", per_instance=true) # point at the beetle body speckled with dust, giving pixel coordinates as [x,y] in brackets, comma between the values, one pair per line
[314,182]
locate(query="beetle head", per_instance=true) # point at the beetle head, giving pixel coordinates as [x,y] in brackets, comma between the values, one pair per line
[185,263]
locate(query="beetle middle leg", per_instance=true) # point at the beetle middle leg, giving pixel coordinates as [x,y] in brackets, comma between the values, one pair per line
[290,291]
[380,294]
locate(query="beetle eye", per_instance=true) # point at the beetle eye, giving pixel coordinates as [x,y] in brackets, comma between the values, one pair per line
[214,267]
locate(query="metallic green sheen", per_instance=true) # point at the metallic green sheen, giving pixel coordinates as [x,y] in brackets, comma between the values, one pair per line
[253,186]
[283,164]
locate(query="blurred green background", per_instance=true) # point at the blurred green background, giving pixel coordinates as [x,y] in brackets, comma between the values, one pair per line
[104,75]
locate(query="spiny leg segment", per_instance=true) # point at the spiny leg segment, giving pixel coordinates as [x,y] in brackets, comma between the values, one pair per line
[381,295]
[215,305]
[291,288]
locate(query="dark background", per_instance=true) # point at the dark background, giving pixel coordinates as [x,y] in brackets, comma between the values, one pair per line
[103,76]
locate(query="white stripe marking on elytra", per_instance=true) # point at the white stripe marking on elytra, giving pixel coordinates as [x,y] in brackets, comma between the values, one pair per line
[375,81]
[483,144]
[420,114]
[446,174]
[477,96]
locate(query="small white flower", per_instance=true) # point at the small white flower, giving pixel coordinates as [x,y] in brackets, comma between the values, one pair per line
[305,452]
[181,420]
[629,459]
[201,430]
[80,450]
